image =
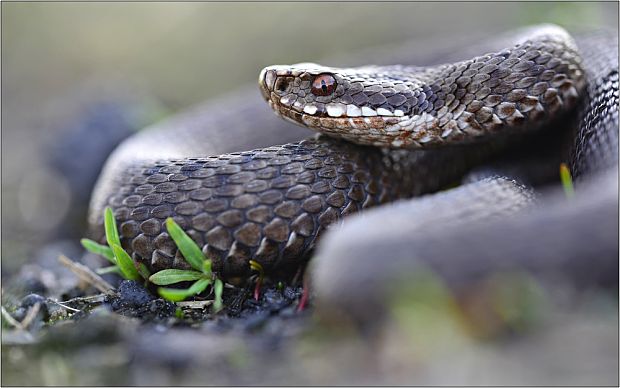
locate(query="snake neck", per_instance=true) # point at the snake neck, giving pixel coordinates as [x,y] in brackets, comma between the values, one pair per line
[539,76]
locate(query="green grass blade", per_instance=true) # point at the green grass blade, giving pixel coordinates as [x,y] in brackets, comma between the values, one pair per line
[255,265]
[173,294]
[110,269]
[567,181]
[111,232]
[218,288]
[200,286]
[206,266]
[171,276]
[143,271]
[191,252]
[177,295]
[98,249]
[125,263]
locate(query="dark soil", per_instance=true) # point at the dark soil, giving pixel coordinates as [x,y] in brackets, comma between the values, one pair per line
[76,335]
[132,329]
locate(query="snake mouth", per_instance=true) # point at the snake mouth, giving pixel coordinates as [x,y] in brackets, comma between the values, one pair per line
[279,87]
[321,92]
[334,119]
[376,130]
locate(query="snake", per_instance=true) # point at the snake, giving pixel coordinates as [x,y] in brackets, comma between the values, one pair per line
[388,134]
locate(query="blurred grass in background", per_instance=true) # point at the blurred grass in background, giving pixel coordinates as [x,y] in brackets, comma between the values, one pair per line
[179,54]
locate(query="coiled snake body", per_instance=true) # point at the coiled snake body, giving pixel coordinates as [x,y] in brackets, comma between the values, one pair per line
[418,129]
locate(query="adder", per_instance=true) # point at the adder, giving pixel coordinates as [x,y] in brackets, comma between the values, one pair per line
[482,129]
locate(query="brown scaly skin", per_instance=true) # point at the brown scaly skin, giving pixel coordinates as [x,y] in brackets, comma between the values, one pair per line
[269,205]
[469,234]
[513,90]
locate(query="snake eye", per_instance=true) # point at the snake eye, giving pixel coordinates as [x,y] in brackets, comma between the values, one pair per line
[323,85]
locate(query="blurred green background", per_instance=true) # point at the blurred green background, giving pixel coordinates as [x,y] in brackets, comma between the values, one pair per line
[168,56]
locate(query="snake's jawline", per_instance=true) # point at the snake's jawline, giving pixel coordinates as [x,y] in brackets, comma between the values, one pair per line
[377,131]
[515,127]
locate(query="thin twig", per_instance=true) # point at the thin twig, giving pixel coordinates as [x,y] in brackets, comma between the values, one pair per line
[297,274]
[28,319]
[30,316]
[65,307]
[9,318]
[86,274]
[196,304]
[99,298]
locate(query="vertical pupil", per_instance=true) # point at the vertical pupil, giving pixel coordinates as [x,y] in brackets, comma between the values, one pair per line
[323,85]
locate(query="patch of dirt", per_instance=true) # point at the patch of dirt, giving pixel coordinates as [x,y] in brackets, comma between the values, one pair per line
[59,331]
[130,328]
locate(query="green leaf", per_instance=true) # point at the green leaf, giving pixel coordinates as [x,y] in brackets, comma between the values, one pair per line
[255,265]
[218,287]
[173,294]
[98,249]
[206,267]
[200,286]
[567,181]
[125,263]
[111,233]
[110,269]
[143,271]
[177,295]
[191,252]
[171,276]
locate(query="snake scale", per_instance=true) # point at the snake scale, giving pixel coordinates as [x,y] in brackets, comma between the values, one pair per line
[390,133]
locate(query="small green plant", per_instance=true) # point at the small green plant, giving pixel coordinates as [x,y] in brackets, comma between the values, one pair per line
[567,180]
[114,253]
[125,266]
[201,271]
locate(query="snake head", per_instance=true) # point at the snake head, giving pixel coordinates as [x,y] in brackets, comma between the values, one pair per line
[306,88]
[345,102]
[539,78]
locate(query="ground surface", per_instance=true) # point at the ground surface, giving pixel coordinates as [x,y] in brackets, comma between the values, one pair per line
[131,337]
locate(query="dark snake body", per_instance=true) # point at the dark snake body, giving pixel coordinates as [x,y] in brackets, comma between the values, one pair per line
[491,226]
[271,204]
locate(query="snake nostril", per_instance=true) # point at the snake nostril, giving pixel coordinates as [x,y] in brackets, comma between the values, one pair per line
[282,84]
[323,85]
